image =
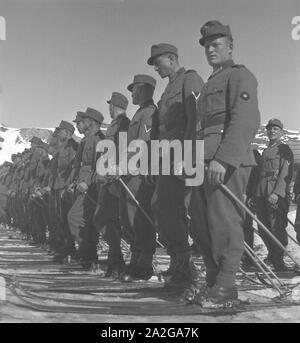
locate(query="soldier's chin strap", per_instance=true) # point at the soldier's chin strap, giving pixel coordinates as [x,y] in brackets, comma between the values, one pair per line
[263,227]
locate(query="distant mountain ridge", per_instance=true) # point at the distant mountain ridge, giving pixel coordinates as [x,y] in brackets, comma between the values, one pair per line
[14,140]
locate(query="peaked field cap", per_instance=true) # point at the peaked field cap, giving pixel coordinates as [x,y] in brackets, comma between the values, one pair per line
[119,100]
[55,132]
[67,126]
[93,114]
[161,49]
[214,28]
[36,140]
[142,78]
[274,122]
[79,116]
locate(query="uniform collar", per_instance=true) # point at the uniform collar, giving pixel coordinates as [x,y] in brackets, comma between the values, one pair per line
[178,73]
[119,117]
[146,104]
[275,144]
[94,133]
[226,65]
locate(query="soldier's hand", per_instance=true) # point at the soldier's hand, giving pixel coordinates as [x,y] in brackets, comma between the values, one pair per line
[47,189]
[82,187]
[273,199]
[216,172]
[250,203]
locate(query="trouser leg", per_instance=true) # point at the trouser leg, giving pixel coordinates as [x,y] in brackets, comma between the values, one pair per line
[170,211]
[225,222]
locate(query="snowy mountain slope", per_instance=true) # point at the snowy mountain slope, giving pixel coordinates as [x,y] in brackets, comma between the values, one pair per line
[16,140]
[13,140]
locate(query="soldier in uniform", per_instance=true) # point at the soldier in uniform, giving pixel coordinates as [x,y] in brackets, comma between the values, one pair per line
[8,181]
[23,192]
[37,205]
[272,188]
[248,223]
[228,121]
[65,158]
[53,225]
[14,188]
[80,216]
[296,191]
[4,191]
[175,120]
[144,241]
[107,213]
[82,129]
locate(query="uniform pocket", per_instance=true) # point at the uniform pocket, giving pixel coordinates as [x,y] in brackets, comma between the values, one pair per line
[174,98]
[215,100]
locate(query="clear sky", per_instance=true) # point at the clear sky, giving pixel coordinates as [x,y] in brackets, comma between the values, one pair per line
[62,56]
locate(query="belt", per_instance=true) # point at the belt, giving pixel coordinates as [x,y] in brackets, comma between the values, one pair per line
[215,120]
[268,173]
[171,132]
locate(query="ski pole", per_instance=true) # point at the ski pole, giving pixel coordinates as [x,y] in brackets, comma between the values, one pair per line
[263,227]
[140,208]
[265,266]
[253,258]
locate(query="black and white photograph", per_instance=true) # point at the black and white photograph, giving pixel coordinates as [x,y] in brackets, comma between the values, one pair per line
[149,164]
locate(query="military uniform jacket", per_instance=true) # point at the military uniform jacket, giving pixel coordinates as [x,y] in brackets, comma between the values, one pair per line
[141,123]
[77,161]
[275,171]
[26,177]
[88,160]
[65,160]
[41,172]
[229,115]
[296,189]
[171,118]
[34,161]
[254,174]
[14,185]
[120,124]
[52,171]
[21,175]
[8,178]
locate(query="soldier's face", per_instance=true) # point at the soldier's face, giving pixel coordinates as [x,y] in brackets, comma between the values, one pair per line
[135,94]
[80,126]
[63,135]
[111,111]
[218,51]
[163,65]
[87,123]
[274,133]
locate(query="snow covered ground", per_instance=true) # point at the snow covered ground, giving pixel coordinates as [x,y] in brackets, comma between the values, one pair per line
[11,312]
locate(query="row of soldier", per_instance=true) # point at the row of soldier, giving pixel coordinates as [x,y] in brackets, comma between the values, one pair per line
[66,197]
